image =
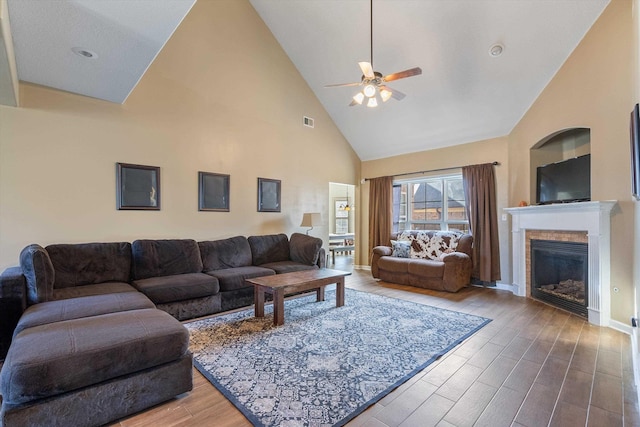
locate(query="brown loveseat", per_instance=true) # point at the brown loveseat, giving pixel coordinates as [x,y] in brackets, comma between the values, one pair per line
[438,260]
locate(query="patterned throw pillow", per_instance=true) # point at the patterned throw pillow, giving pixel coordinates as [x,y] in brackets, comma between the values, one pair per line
[425,247]
[401,248]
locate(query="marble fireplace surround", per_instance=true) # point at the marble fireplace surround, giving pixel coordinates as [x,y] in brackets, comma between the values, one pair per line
[568,222]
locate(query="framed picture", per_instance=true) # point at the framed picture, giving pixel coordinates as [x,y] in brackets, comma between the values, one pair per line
[137,187]
[634,131]
[340,205]
[268,195]
[213,192]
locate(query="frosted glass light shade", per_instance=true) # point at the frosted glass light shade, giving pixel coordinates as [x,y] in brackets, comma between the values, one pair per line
[369,90]
[372,102]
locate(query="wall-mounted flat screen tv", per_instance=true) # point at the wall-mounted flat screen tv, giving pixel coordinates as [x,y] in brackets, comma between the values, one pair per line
[565,181]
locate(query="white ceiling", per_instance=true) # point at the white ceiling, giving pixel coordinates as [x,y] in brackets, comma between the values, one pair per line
[126,35]
[463,94]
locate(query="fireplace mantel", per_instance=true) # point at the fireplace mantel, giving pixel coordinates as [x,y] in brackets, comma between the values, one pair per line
[592,217]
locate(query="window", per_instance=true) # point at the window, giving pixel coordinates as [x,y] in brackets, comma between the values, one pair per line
[430,204]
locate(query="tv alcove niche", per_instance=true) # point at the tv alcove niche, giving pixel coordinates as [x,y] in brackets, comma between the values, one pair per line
[557,154]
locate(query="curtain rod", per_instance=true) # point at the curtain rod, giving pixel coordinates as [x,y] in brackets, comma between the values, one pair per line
[432,170]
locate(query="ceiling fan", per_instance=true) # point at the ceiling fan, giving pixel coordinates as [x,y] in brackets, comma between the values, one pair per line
[374,83]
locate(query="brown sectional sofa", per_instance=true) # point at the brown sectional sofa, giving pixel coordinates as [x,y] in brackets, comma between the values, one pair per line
[447,272]
[99,338]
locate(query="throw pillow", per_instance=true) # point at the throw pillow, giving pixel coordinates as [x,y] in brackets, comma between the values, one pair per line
[430,245]
[401,248]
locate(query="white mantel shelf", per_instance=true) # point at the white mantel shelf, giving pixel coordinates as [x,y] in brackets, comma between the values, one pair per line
[592,217]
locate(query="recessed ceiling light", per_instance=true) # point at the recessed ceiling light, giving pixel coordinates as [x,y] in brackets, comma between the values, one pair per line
[85,53]
[496,50]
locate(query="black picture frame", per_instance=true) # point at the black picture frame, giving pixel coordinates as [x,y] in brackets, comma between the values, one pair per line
[213,192]
[634,131]
[269,195]
[137,187]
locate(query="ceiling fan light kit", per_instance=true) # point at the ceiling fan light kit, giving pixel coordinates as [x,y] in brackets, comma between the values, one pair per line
[369,90]
[374,82]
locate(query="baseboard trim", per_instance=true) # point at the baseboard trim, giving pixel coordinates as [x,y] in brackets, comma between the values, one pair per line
[506,287]
[621,327]
[362,267]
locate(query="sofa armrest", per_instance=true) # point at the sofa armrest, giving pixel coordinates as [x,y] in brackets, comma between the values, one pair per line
[383,250]
[13,286]
[376,254]
[322,258]
[38,272]
[13,302]
[457,271]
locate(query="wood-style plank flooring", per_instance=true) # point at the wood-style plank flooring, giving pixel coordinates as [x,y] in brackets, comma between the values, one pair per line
[533,365]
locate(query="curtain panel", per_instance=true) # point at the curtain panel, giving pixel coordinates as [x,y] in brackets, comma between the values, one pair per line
[480,194]
[380,211]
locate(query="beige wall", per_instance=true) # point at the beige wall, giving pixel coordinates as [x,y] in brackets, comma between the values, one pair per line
[467,154]
[221,97]
[593,89]
[636,98]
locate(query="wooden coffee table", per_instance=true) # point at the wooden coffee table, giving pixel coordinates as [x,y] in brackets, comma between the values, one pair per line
[298,281]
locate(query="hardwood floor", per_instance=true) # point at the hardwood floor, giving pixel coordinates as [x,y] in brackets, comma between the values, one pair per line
[533,365]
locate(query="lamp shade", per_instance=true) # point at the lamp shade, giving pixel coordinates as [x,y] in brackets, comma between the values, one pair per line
[310,219]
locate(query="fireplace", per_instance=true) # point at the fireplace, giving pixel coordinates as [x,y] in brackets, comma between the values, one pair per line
[559,274]
[592,220]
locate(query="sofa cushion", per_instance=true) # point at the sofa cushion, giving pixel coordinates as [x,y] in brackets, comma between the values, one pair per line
[90,263]
[393,264]
[269,248]
[78,353]
[231,279]
[304,249]
[38,271]
[287,266]
[425,268]
[75,308]
[153,258]
[88,290]
[178,287]
[225,253]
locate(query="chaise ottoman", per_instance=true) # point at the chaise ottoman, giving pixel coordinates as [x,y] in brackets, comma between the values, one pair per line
[88,371]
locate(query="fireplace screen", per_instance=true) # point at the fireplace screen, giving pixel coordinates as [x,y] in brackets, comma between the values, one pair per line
[559,273]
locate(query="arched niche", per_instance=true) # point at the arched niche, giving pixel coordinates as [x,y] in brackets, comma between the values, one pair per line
[561,145]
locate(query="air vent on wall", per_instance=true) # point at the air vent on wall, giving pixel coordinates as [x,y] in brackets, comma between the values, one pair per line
[307,121]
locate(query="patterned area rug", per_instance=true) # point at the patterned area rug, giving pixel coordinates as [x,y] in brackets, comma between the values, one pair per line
[326,365]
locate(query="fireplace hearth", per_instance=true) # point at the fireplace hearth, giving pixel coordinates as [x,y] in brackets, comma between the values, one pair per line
[559,274]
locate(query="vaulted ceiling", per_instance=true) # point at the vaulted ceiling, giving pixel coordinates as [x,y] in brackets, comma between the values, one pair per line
[464,94]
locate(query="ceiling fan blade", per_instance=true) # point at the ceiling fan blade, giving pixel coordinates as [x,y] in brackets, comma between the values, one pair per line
[403,74]
[353,103]
[367,70]
[395,94]
[344,84]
